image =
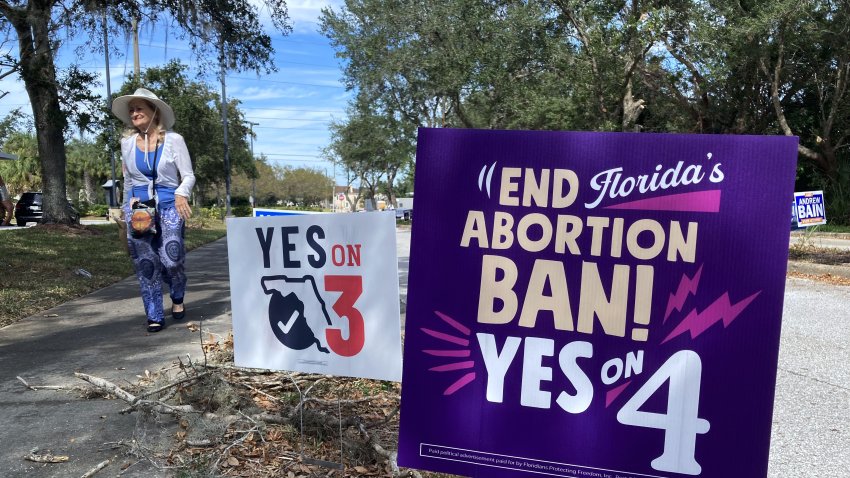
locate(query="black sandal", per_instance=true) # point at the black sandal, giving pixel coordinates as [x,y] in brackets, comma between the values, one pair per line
[154,327]
[178,315]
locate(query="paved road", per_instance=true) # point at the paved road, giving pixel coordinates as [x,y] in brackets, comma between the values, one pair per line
[403,251]
[811,417]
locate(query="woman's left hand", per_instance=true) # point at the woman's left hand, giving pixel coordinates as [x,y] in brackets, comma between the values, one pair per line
[183,207]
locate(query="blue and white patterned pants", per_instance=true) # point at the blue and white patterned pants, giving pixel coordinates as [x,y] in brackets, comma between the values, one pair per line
[159,258]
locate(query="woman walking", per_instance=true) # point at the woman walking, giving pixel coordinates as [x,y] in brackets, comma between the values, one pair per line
[158,177]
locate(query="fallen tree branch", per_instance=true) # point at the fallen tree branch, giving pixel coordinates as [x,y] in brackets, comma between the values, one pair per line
[386,419]
[42,387]
[257,390]
[322,401]
[94,470]
[107,386]
[171,385]
[390,456]
[46,458]
[199,443]
[132,399]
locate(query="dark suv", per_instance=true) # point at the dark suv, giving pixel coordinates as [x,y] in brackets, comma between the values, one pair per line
[29,209]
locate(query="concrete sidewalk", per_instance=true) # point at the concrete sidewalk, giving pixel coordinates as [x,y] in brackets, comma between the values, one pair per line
[101,334]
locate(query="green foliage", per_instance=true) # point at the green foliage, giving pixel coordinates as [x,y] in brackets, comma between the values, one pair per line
[837,199]
[302,187]
[12,123]
[242,210]
[760,67]
[305,187]
[264,180]
[24,174]
[82,108]
[211,213]
[88,209]
[88,167]
[373,147]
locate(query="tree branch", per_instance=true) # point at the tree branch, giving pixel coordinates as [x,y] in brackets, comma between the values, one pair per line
[132,399]
[699,80]
[777,104]
[840,89]
[459,110]
[564,6]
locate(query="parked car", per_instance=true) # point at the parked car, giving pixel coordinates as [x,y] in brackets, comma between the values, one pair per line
[29,209]
[404,214]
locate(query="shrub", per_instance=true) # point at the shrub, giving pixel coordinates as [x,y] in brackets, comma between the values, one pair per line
[211,213]
[97,210]
[242,210]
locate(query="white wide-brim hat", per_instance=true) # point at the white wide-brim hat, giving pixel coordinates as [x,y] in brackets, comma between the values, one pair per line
[121,107]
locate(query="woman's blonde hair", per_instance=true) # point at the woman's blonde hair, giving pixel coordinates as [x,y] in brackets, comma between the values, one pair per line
[156,124]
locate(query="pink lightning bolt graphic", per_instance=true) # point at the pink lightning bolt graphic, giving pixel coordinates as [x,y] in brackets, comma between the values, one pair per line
[687,286]
[452,352]
[721,309]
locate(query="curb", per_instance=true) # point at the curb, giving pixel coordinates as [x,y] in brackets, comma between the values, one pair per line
[819,269]
[830,235]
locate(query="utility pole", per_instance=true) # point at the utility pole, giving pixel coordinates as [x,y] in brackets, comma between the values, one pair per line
[332,192]
[251,125]
[113,192]
[226,145]
[136,67]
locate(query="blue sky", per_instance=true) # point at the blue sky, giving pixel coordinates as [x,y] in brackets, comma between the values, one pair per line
[293,107]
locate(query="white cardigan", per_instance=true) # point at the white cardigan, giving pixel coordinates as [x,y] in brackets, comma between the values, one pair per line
[174,169]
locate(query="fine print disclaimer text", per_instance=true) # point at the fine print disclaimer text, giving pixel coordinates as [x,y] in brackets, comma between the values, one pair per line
[516,463]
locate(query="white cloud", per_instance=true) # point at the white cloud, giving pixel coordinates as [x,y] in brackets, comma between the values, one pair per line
[277,92]
[304,14]
[309,10]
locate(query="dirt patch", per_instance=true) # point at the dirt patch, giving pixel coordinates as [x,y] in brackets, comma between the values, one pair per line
[819,255]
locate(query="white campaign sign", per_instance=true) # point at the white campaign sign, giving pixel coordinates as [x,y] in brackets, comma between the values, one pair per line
[316,293]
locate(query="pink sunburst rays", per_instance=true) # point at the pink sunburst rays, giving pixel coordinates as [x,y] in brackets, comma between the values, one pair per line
[453,352]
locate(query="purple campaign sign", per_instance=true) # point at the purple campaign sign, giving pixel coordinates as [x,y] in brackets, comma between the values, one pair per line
[595,304]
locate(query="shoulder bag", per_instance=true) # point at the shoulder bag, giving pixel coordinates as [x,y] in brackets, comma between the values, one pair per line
[143,219]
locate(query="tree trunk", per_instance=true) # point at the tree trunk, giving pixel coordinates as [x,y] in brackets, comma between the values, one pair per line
[391,187]
[90,187]
[632,109]
[39,74]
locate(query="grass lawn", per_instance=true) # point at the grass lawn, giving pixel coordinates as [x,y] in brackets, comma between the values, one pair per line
[40,264]
[830,228]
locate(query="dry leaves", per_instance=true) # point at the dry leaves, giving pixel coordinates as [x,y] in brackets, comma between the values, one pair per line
[828,278]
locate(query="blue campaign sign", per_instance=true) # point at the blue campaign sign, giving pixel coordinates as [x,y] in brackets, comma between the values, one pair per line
[280,212]
[809,208]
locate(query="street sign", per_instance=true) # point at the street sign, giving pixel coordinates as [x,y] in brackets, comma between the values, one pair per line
[809,208]
[258,212]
